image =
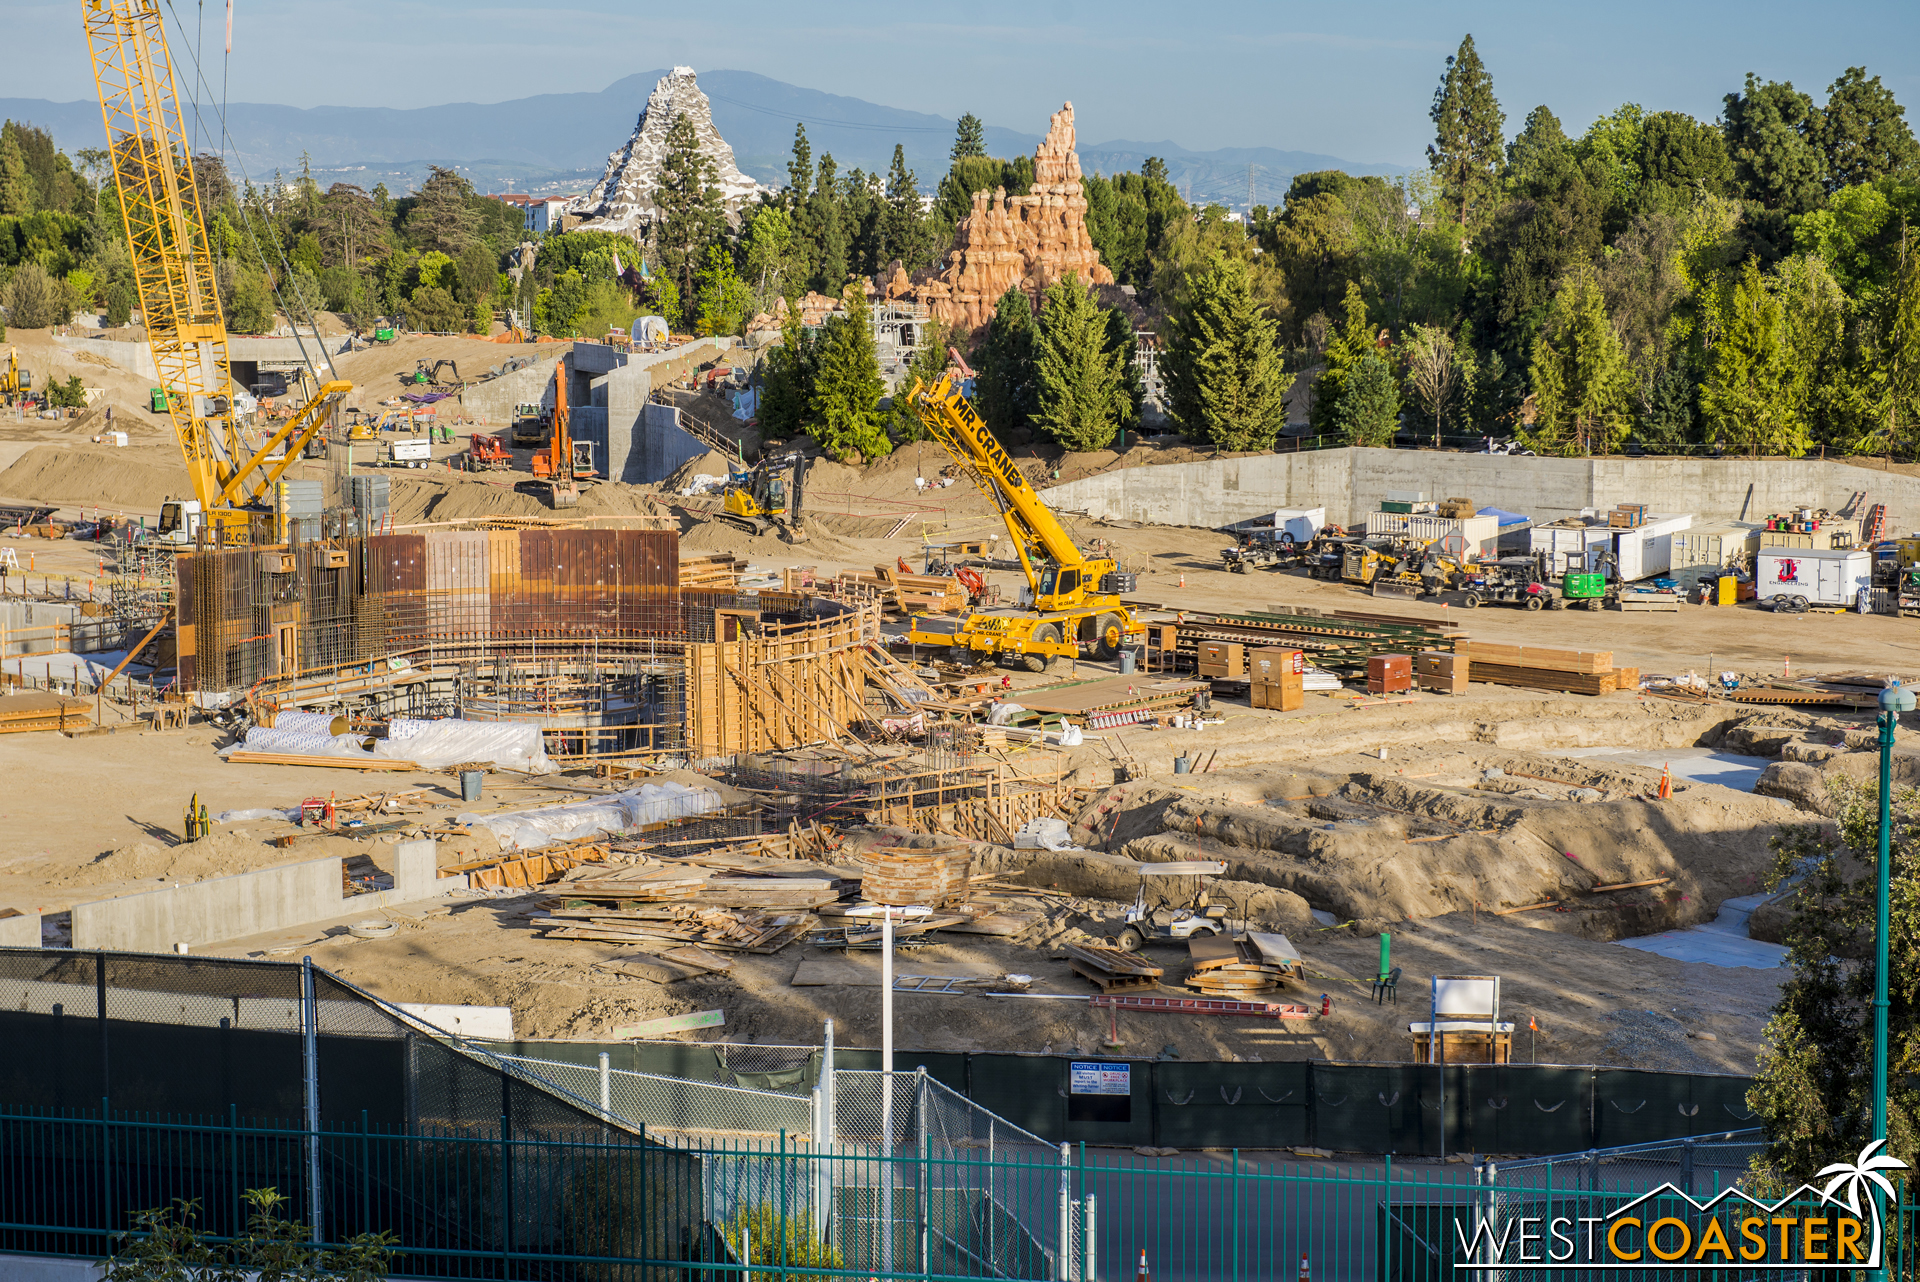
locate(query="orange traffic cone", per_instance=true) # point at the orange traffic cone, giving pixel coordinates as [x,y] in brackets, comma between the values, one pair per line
[1666,782]
[1306,1269]
[1144,1274]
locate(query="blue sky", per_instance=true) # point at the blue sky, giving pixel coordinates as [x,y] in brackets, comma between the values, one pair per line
[1350,80]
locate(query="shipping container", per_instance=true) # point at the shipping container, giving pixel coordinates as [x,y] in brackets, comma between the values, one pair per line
[1813,576]
[1646,551]
[1571,544]
[1481,534]
[1714,545]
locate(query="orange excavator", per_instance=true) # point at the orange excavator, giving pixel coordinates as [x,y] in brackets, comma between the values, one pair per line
[565,463]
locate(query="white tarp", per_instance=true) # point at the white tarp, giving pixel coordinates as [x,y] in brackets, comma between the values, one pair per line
[449,742]
[648,804]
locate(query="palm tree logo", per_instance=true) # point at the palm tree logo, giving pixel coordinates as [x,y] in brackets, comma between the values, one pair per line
[1862,1172]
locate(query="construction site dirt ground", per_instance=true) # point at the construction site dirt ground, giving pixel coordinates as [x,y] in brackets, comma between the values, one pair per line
[96,816]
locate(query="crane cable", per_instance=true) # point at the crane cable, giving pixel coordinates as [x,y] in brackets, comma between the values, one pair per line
[246,221]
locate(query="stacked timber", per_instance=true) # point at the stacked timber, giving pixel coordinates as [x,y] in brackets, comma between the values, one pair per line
[703,887]
[665,926]
[1238,968]
[1533,667]
[717,572]
[32,710]
[935,593]
[899,876]
[1114,970]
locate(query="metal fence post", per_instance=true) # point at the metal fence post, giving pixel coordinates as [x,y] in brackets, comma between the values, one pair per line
[1686,1166]
[310,1038]
[1062,1268]
[606,1082]
[1233,1217]
[926,1160]
[1386,1217]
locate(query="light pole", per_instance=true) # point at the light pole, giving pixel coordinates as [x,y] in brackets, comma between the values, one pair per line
[1894,700]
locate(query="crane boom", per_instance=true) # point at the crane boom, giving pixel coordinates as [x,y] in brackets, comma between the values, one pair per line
[173,265]
[1076,601]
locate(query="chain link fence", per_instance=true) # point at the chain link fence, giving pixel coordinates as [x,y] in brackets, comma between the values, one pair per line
[1703,1164]
[675,1104]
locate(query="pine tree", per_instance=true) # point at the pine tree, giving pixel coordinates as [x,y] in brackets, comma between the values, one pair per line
[692,213]
[1079,396]
[1898,384]
[1004,385]
[1369,413]
[725,301]
[1225,381]
[1466,147]
[1352,343]
[903,228]
[826,218]
[786,398]
[847,387]
[1748,395]
[970,139]
[16,185]
[799,169]
[1863,132]
[1581,382]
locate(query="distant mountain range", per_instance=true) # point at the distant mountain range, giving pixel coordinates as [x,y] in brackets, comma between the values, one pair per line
[559,142]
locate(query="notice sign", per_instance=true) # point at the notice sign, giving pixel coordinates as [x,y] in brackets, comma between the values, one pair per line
[1099,1093]
[1099,1079]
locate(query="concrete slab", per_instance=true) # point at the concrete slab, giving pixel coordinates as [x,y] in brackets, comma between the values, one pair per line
[1699,765]
[1720,942]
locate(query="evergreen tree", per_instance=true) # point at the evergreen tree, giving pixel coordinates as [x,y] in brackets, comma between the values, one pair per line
[1749,396]
[1369,412]
[800,169]
[970,139]
[1862,133]
[692,212]
[903,229]
[1004,387]
[786,396]
[440,218]
[1225,380]
[1580,377]
[1125,347]
[725,301]
[928,364]
[1080,399]
[1895,395]
[1352,343]
[1774,159]
[1432,373]
[1663,411]
[1540,144]
[1466,148]
[847,387]
[826,220]
[16,186]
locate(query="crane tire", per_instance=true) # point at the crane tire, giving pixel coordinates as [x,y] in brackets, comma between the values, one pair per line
[1041,662]
[1108,635]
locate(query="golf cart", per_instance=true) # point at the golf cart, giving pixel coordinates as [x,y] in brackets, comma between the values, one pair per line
[1175,925]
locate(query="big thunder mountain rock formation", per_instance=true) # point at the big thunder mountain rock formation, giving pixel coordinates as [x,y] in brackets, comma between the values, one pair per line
[622,201]
[1030,241]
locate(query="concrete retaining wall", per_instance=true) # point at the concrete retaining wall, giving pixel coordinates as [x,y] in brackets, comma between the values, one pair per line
[223,908]
[492,402]
[137,358]
[22,930]
[1350,483]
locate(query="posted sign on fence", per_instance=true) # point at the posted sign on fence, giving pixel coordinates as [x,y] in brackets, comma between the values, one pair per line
[1099,1079]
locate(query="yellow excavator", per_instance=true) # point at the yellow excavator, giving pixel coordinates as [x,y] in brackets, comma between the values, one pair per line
[759,497]
[1075,605]
[15,382]
[173,271]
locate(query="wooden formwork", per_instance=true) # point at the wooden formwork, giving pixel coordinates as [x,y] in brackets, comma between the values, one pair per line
[778,687]
[1006,798]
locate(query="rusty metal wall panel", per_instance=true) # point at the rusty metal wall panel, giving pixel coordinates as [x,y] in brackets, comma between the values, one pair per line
[399,576]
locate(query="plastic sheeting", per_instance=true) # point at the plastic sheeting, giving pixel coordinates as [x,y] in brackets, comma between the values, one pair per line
[451,742]
[648,804]
[304,743]
[311,722]
[650,329]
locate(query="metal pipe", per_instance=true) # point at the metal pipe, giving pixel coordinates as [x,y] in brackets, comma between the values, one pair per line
[310,1039]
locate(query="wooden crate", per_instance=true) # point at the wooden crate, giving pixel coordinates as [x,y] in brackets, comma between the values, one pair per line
[1223,660]
[1631,602]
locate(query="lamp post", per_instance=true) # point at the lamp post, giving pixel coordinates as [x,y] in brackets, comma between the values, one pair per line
[1894,700]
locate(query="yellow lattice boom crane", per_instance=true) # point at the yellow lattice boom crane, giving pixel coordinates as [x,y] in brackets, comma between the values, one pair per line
[173,271]
[1076,607]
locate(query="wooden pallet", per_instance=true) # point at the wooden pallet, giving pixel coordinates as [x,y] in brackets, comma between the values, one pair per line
[1211,1006]
[1646,601]
[1110,982]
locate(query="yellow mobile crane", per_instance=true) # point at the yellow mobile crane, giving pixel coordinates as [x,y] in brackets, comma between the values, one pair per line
[173,274]
[1076,600]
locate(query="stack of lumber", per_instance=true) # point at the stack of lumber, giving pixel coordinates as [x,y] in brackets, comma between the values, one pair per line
[938,593]
[901,875]
[241,757]
[716,572]
[33,710]
[527,870]
[659,927]
[768,890]
[1234,968]
[1113,970]
[1533,667]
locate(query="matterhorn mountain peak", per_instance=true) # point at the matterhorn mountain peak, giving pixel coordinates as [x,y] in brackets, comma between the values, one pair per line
[622,201]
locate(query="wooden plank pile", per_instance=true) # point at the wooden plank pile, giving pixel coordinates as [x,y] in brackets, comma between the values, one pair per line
[1533,667]
[1340,641]
[935,593]
[1112,969]
[716,572]
[20,713]
[1648,599]
[1238,968]
[901,875]
[662,927]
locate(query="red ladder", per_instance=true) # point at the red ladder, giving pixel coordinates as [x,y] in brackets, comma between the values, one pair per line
[1874,528]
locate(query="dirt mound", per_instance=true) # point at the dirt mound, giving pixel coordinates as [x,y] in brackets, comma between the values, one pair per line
[712,535]
[457,497]
[712,463]
[136,479]
[1470,831]
[220,855]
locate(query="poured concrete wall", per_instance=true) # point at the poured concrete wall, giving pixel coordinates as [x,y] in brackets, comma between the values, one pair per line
[1350,483]
[221,908]
[21,930]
